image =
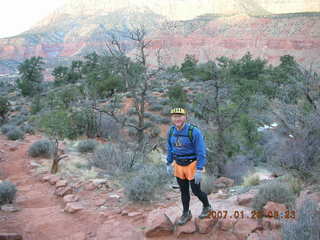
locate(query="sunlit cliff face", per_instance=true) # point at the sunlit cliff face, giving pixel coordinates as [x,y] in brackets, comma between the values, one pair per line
[188,9]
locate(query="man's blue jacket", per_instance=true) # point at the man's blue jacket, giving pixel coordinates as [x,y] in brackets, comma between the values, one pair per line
[180,147]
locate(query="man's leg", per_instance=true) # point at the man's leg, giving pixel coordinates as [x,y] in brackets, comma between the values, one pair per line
[185,193]
[196,189]
[201,195]
[185,198]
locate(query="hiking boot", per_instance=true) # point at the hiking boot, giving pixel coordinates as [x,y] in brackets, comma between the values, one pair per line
[205,212]
[186,216]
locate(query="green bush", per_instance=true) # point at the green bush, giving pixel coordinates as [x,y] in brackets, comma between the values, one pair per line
[15,134]
[28,129]
[112,158]
[276,192]
[155,131]
[41,148]
[251,180]
[156,107]
[177,96]
[18,119]
[307,225]
[144,185]
[87,146]
[166,111]
[295,183]
[6,128]
[207,185]
[7,192]
[132,111]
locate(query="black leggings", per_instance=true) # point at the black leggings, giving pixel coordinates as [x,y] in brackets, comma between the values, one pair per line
[185,193]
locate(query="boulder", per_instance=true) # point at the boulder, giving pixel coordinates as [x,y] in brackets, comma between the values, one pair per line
[61,183]
[206,225]
[134,214]
[73,207]
[158,224]
[227,224]
[70,198]
[63,191]
[188,228]
[271,208]
[100,202]
[53,179]
[245,199]
[244,227]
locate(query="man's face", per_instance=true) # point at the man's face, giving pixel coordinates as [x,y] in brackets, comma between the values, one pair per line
[178,119]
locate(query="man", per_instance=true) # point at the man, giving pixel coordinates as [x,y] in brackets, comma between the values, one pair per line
[186,148]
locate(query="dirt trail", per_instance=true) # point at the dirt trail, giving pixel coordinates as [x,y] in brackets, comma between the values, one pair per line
[41,215]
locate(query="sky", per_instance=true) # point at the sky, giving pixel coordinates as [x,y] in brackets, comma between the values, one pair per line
[17,16]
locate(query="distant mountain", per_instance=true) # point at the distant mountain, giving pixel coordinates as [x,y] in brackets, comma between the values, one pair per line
[206,28]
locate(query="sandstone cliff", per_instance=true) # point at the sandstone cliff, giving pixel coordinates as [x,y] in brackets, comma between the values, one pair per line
[231,29]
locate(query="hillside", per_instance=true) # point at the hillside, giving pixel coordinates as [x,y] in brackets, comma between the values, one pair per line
[205,28]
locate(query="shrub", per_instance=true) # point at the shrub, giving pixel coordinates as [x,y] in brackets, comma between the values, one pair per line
[7,192]
[155,131]
[41,148]
[108,127]
[87,146]
[132,111]
[275,192]
[18,119]
[207,185]
[28,129]
[166,111]
[237,168]
[144,185]
[156,107]
[15,134]
[6,128]
[251,180]
[295,183]
[165,120]
[132,132]
[112,158]
[177,96]
[307,226]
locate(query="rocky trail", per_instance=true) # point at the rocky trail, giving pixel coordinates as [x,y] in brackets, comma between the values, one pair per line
[50,208]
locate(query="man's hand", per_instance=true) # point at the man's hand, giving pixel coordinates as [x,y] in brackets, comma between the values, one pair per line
[198,176]
[170,170]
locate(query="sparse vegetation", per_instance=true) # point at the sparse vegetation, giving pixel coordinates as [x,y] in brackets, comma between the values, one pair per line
[113,158]
[41,148]
[251,180]
[207,185]
[86,146]
[6,128]
[276,192]
[307,224]
[7,192]
[15,134]
[145,184]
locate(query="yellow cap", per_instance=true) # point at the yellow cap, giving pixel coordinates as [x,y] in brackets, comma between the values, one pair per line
[178,111]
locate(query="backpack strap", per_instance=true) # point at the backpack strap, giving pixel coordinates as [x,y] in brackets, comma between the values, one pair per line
[171,131]
[190,132]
